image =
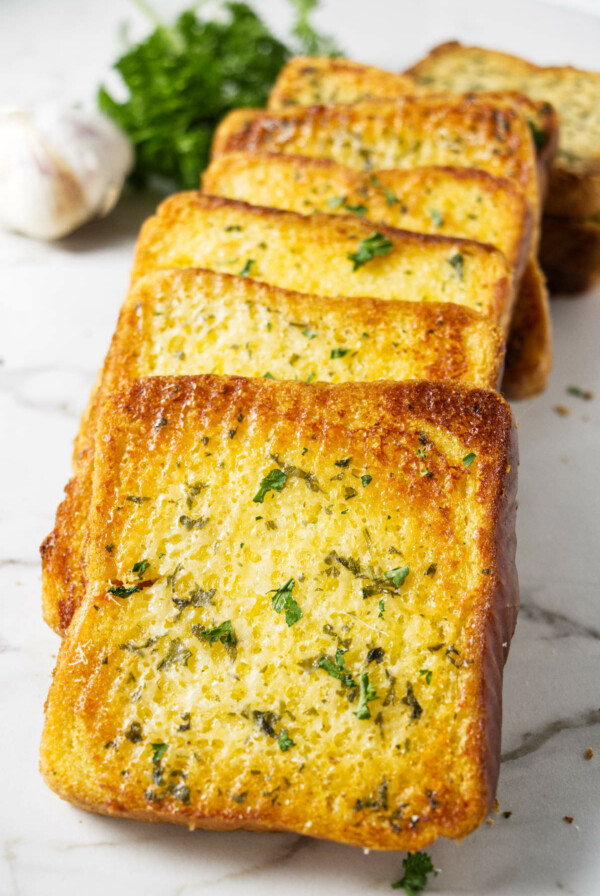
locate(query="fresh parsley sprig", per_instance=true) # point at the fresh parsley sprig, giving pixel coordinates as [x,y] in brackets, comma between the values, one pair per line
[185,77]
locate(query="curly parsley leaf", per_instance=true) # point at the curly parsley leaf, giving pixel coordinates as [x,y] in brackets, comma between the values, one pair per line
[283,600]
[223,633]
[337,669]
[375,244]
[416,865]
[397,575]
[184,77]
[285,741]
[367,693]
[273,481]
[123,590]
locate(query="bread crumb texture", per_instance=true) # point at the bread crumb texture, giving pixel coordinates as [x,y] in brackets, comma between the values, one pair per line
[298,608]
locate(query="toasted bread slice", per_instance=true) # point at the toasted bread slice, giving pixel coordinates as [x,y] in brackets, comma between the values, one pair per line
[333,81]
[575,94]
[193,321]
[309,81]
[452,201]
[312,254]
[449,201]
[529,345]
[261,610]
[408,132]
[570,253]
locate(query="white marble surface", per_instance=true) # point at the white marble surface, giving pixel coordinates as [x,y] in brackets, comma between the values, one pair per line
[57,308]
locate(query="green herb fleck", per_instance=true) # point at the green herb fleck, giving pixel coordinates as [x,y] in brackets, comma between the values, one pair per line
[390,198]
[381,609]
[283,600]
[539,137]
[578,392]
[136,499]
[397,575]
[268,376]
[123,590]
[310,377]
[431,570]
[436,217]
[411,701]
[365,479]
[375,244]
[247,267]
[273,481]
[338,352]
[468,459]
[134,733]
[140,567]
[158,751]
[458,263]
[336,668]
[285,741]
[367,693]
[416,865]
[426,674]
[177,654]
[223,633]
[188,523]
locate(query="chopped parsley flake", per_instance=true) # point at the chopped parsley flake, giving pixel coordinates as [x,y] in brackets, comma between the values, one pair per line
[458,263]
[578,392]
[123,590]
[365,479]
[273,481]
[223,633]
[268,376]
[367,693]
[381,609]
[247,268]
[397,575]
[436,217]
[283,600]
[285,741]
[416,865]
[336,668]
[426,674]
[373,245]
[136,499]
[158,751]
[390,198]
[338,352]
[468,459]
[140,567]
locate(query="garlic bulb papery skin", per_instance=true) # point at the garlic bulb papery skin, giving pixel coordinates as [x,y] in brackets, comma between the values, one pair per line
[59,167]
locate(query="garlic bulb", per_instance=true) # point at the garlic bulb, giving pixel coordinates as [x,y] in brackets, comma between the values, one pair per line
[59,167]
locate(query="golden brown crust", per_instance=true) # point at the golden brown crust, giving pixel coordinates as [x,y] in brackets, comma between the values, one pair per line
[433,341]
[529,349]
[310,253]
[497,126]
[304,185]
[77,763]
[570,253]
[285,181]
[574,188]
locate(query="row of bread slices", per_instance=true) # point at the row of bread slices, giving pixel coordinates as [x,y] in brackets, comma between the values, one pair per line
[377,239]
[389,240]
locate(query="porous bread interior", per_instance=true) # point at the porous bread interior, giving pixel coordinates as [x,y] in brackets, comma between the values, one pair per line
[408,132]
[449,201]
[311,254]
[134,672]
[191,321]
[453,201]
[575,94]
